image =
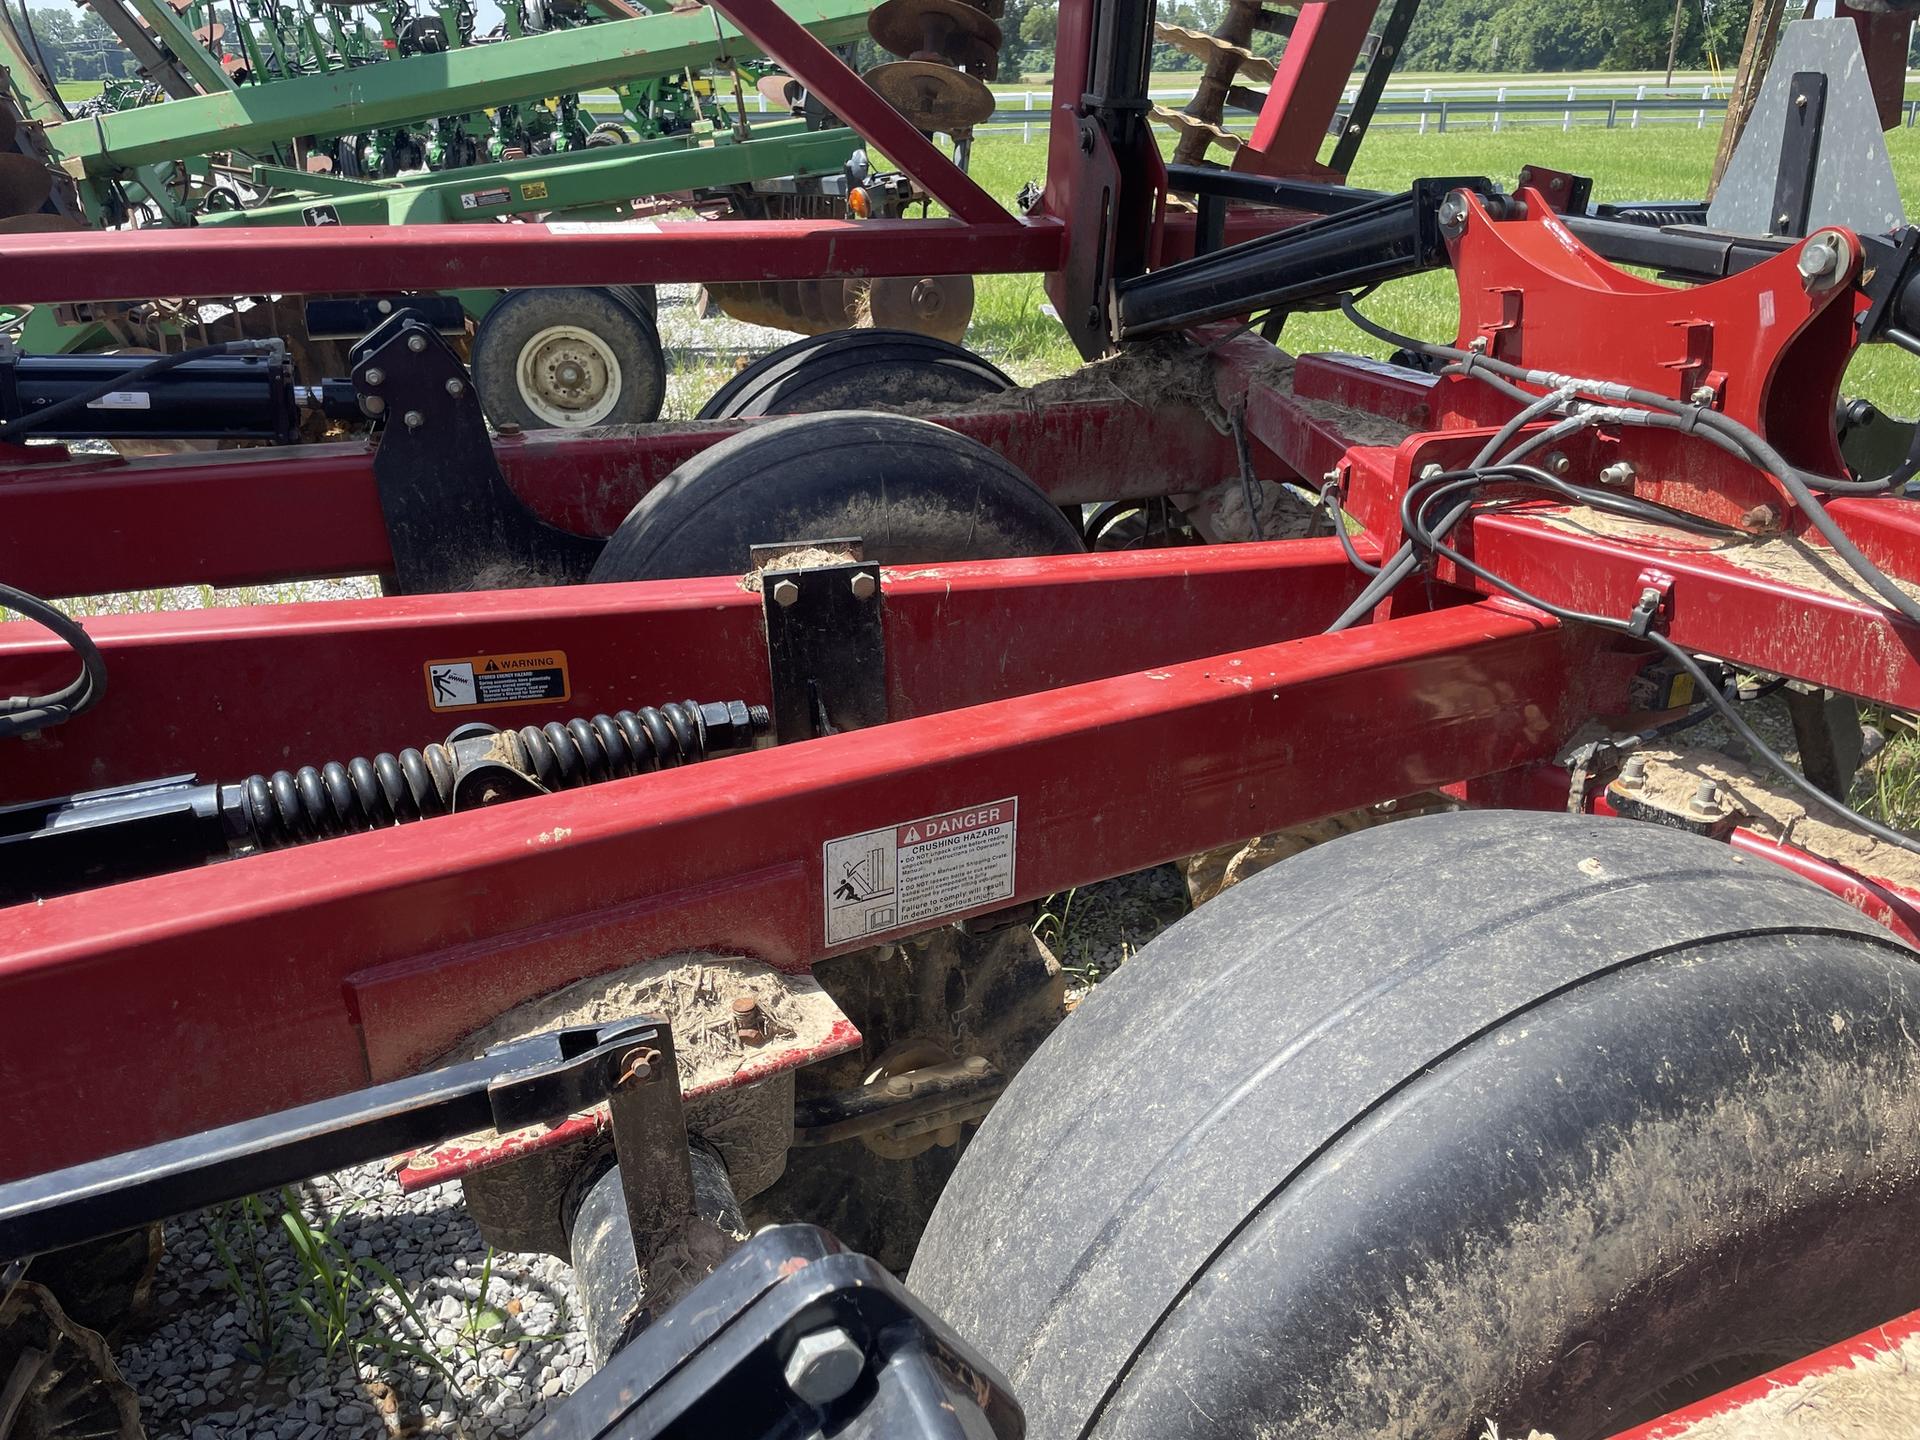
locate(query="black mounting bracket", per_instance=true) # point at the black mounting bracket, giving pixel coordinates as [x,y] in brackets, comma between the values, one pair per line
[450,513]
[826,646]
[528,1082]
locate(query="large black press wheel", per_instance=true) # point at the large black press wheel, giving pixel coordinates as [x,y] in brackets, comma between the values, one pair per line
[570,358]
[911,490]
[849,369]
[1481,1119]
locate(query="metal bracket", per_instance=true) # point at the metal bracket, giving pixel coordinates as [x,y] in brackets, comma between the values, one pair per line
[1799,153]
[826,648]
[533,1081]
[449,511]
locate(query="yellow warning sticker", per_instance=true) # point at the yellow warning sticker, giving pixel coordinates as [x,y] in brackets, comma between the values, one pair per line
[535,677]
[534,190]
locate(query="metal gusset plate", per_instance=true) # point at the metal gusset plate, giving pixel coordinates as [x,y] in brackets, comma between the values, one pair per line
[826,649]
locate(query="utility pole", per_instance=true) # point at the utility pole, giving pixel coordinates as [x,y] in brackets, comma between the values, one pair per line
[1673,42]
[1763,26]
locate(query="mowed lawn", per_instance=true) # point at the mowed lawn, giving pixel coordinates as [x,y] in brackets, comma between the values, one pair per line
[1664,163]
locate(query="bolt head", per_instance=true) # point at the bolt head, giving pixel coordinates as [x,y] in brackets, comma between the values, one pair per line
[864,585]
[785,592]
[1823,260]
[824,1365]
[376,376]
[1558,463]
[373,405]
[456,387]
[417,344]
[414,419]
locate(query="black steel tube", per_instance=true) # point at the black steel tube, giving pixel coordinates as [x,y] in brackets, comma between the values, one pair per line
[1384,239]
[614,1295]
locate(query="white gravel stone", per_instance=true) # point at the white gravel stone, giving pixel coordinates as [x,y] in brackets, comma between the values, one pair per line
[194,1358]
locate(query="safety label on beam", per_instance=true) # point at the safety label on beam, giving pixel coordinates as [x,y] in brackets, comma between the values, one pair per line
[920,871]
[536,677]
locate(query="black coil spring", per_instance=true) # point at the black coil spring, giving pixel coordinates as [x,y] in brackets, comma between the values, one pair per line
[316,802]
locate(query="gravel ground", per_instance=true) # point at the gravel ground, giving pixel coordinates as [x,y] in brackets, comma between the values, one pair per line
[448,1361]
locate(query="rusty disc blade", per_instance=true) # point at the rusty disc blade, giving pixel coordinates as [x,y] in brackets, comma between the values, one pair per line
[782,91]
[210,35]
[932,97]
[939,305]
[949,30]
[38,223]
[25,184]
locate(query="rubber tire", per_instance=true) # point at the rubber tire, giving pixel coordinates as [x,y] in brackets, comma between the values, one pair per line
[910,489]
[846,369]
[623,325]
[1479,1119]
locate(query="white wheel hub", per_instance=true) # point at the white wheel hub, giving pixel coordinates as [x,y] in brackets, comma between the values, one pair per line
[568,376]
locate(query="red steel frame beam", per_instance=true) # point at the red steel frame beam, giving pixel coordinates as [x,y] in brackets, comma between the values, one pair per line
[127,264]
[302,973]
[1314,69]
[261,516]
[274,685]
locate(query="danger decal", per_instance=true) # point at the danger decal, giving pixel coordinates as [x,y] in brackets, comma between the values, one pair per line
[920,871]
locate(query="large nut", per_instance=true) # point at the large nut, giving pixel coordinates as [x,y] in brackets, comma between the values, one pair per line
[824,1365]
[1823,260]
[864,585]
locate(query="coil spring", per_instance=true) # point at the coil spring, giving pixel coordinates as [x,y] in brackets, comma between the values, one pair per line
[318,802]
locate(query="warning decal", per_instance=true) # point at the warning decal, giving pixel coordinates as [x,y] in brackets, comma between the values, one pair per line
[481,199]
[920,871]
[536,677]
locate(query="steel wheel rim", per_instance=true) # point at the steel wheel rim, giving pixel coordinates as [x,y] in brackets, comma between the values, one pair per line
[568,376]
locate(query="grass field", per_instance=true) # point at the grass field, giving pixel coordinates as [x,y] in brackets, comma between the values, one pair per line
[1626,165]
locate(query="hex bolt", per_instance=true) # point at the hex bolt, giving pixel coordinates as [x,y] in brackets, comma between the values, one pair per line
[507,429]
[1621,472]
[785,593]
[863,585]
[414,419]
[373,405]
[1633,774]
[456,387]
[748,1022]
[1558,462]
[376,376]
[1478,345]
[899,1085]
[1823,260]
[637,1065]
[1703,395]
[417,344]
[1706,800]
[1800,102]
[1431,472]
[1453,213]
[824,1365]
[385,307]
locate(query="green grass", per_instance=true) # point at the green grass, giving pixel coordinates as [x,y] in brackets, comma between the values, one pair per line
[79,89]
[1646,164]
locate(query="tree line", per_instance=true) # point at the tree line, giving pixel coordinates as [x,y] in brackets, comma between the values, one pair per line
[73,44]
[1466,35]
